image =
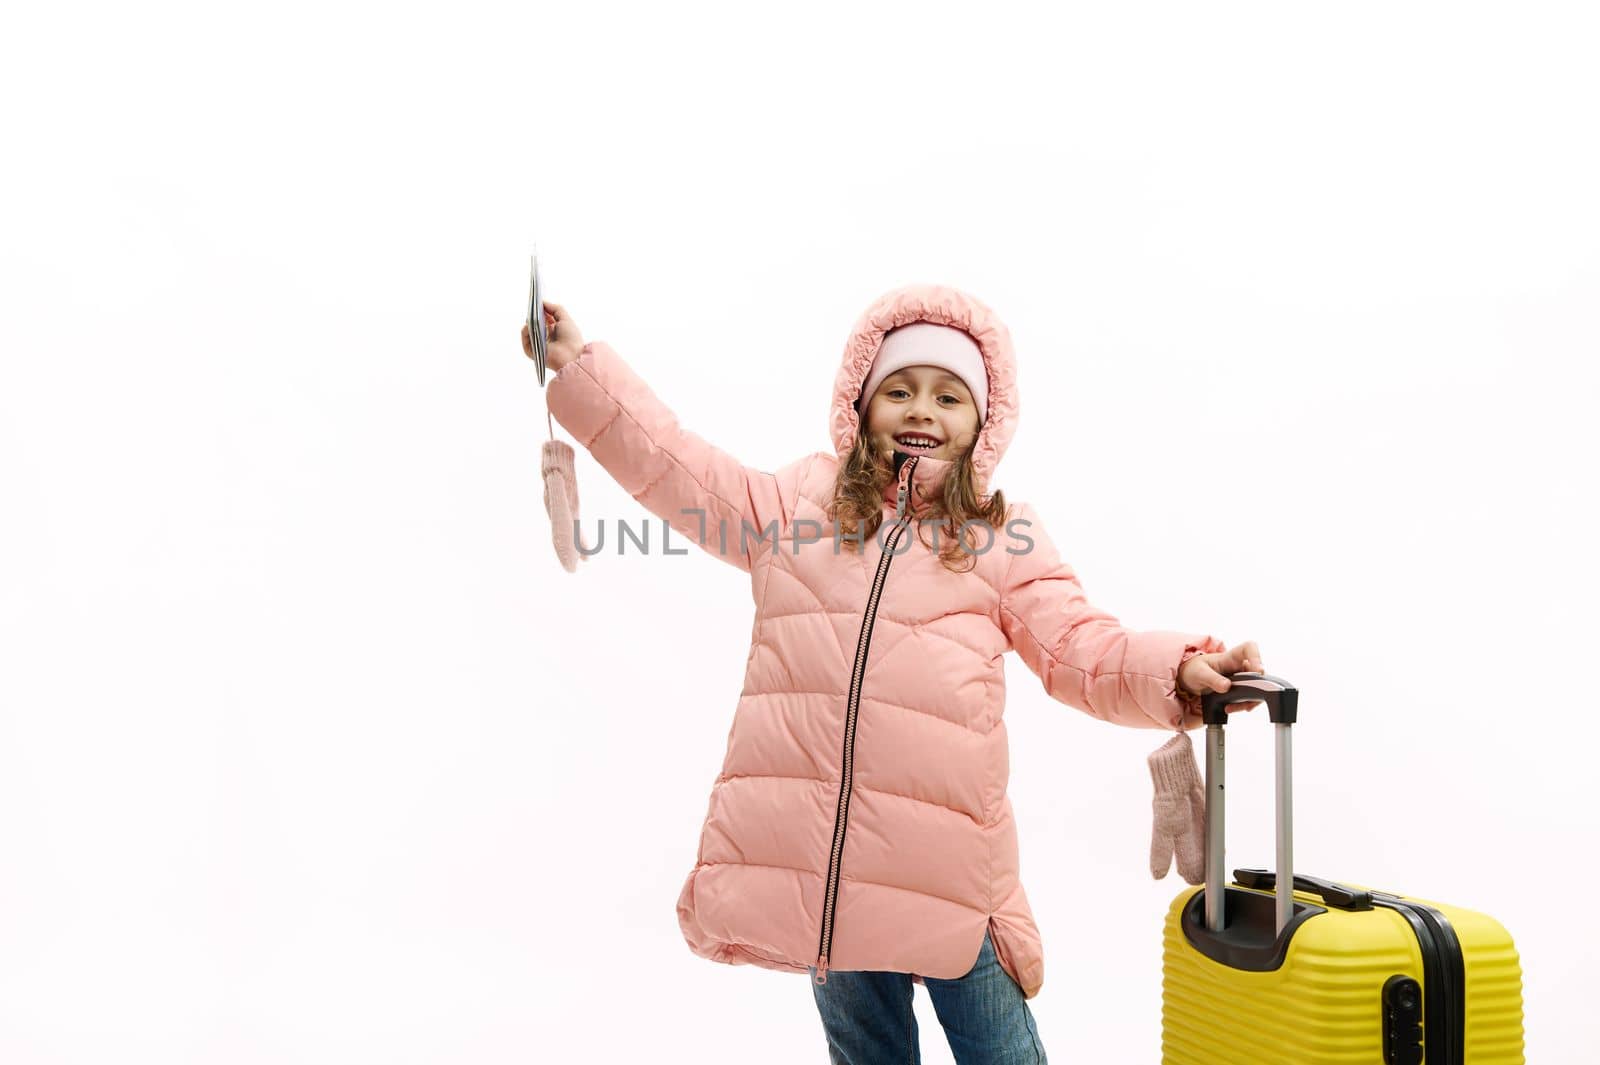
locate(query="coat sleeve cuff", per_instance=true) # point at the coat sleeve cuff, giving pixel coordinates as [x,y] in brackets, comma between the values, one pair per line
[1191,702]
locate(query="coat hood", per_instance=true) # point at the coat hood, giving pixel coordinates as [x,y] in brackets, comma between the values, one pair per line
[942,305]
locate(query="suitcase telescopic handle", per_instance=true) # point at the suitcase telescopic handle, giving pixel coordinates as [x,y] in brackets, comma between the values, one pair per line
[1282,701]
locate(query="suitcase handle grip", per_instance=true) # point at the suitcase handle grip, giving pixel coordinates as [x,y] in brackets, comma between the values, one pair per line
[1281,697]
[1338,896]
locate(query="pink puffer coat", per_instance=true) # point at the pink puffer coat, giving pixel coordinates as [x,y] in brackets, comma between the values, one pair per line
[860,820]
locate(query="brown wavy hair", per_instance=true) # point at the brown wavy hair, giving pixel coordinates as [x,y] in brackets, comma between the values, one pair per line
[857,507]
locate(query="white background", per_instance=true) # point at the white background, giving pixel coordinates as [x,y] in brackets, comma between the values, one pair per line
[311,752]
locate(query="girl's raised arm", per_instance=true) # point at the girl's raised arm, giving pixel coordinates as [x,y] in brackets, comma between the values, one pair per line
[1083,654]
[702,492]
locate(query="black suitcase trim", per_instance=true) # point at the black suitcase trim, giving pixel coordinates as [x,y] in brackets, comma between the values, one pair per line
[1248,940]
[1444,980]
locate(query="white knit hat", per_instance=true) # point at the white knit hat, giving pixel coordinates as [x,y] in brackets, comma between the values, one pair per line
[930,344]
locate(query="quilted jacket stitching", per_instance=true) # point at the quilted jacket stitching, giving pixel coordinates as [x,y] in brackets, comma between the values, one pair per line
[925,629]
[589,444]
[622,411]
[761,865]
[1049,652]
[788,513]
[857,785]
[963,903]
[977,823]
[865,699]
[925,713]
[820,600]
[909,625]
[847,878]
[845,654]
[641,493]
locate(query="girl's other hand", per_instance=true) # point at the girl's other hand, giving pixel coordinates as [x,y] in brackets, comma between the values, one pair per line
[1204,673]
[563,341]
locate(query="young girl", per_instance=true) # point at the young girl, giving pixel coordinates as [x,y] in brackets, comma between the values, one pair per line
[859,831]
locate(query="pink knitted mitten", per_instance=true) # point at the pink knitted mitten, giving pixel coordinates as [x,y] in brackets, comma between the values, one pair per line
[1180,811]
[561,501]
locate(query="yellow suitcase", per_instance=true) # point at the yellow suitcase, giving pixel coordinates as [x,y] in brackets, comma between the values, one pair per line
[1254,974]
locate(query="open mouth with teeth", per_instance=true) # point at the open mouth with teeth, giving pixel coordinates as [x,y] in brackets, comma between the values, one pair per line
[914,442]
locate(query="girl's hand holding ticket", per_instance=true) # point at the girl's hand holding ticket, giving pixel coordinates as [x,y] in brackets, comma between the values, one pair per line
[565,341]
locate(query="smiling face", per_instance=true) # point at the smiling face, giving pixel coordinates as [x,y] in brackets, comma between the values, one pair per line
[923,410]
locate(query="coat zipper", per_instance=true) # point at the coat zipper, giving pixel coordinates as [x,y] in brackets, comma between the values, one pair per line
[842,815]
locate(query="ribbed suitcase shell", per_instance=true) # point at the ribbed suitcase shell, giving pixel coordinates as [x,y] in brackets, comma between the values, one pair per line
[1323,1005]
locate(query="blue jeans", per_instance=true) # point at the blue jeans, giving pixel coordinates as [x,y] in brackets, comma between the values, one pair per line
[868,1019]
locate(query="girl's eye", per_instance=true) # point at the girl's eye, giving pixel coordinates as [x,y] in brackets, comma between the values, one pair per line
[948,396]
